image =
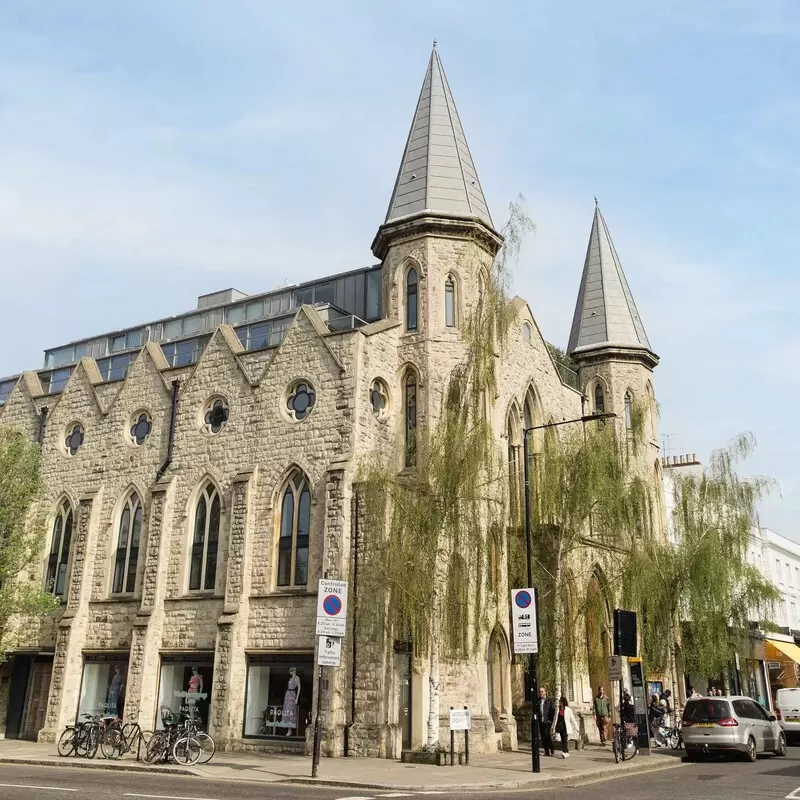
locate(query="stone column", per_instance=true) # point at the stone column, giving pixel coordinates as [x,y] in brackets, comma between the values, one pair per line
[230,662]
[65,683]
[147,627]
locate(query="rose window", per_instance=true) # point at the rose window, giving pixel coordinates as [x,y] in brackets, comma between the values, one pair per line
[378,398]
[74,439]
[141,428]
[301,401]
[217,413]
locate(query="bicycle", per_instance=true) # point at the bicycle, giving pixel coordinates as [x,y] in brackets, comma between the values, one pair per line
[624,744]
[176,741]
[74,739]
[673,735]
[120,739]
[82,738]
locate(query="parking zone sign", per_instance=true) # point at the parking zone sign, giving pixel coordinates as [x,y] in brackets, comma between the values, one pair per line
[332,608]
[523,618]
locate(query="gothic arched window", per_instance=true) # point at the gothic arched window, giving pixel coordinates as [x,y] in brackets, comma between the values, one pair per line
[58,560]
[127,556]
[410,415]
[599,400]
[205,542]
[628,411]
[295,528]
[412,299]
[450,303]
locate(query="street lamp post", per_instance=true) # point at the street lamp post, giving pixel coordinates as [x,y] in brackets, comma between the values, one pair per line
[534,660]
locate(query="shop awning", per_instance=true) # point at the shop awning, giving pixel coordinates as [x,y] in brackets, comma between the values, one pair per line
[787,648]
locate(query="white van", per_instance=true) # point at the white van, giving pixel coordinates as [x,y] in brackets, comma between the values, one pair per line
[787,705]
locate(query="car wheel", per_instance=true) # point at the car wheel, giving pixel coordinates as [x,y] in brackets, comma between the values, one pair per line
[751,750]
[780,750]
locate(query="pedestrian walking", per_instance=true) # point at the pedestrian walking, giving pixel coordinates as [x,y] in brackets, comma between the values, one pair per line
[546,713]
[666,704]
[602,713]
[565,725]
[655,716]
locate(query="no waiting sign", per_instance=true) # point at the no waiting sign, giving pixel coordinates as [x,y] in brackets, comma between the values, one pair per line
[523,618]
[332,608]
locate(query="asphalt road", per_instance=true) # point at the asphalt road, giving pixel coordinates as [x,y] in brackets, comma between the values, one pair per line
[767,779]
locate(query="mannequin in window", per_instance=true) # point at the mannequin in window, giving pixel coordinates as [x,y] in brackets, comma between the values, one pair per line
[195,687]
[290,702]
[114,692]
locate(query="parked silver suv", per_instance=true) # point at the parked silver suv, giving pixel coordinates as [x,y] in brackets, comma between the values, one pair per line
[739,724]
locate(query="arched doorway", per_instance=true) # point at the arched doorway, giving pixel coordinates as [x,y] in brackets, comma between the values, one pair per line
[499,688]
[598,642]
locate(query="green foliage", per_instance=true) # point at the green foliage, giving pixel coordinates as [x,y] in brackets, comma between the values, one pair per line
[703,577]
[426,531]
[21,535]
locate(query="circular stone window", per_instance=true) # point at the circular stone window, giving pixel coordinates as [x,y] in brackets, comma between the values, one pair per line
[141,426]
[301,400]
[379,398]
[216,415]
[74,438]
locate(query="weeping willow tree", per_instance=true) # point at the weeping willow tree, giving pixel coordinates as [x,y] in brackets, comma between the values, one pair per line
[592,502]
[584,497]
[702,577]
[426,564]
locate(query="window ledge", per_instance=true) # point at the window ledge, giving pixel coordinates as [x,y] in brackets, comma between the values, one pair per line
[290,591]
[204,594]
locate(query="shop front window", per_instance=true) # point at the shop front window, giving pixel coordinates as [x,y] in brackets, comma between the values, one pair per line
[185,691]
[103,686]
[279,694]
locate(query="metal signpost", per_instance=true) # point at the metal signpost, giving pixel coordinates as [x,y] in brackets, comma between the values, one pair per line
[331,628]
[525,626]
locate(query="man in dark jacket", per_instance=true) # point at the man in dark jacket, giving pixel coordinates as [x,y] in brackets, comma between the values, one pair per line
[628,711]
[546,712]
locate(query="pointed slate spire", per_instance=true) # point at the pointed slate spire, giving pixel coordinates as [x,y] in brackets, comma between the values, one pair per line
[605,314]
[437,172]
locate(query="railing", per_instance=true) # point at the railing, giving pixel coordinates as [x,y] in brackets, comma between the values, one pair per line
[567,375]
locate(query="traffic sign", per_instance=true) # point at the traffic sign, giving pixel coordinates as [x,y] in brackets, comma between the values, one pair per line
[615,668]
[329,653]
[523,617]
[460,719]
[332,608]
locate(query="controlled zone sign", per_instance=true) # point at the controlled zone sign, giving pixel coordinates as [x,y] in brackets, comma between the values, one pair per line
[523,618]
[332,608]
[329,653]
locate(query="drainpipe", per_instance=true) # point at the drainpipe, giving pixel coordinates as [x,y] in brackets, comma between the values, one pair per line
[355,617]
[42,421]
[171,440]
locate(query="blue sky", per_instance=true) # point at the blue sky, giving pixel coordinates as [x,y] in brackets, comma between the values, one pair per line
[155,151]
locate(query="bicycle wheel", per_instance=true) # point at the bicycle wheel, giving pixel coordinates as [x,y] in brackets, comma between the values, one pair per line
[66,742]
[615,748]
[93,741]
[112,743]
[156,748]
[207,747]
[81,741]
[186,751]
[631,750]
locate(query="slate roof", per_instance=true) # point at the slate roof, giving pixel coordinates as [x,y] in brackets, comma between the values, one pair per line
[437,172]
[605,314]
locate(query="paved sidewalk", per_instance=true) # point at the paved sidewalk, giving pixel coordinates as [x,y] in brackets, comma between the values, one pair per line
[500,770]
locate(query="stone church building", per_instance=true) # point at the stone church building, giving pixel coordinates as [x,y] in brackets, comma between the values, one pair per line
[199,477]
